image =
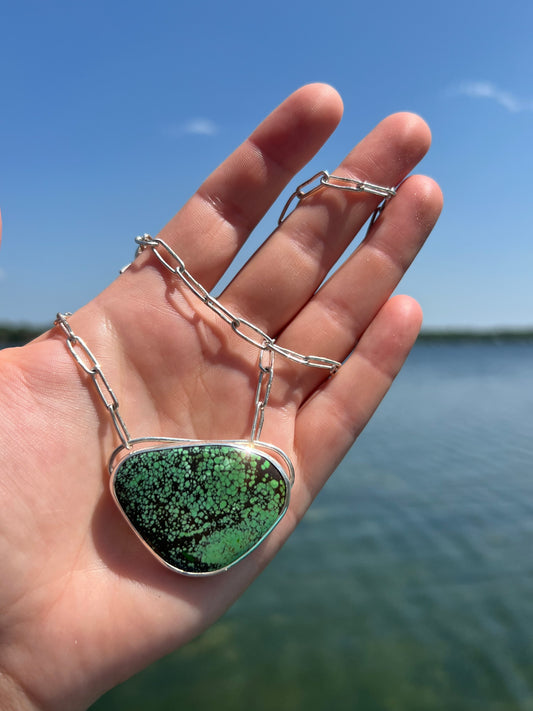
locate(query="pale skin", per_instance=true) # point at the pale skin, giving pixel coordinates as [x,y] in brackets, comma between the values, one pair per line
[83,604]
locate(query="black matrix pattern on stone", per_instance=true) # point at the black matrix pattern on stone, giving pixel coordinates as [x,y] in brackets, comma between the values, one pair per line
[201,507]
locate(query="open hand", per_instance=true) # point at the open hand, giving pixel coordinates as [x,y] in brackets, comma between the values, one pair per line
[84,605]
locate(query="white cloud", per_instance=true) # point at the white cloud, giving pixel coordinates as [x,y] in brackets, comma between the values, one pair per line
[488,90]
[195,127]
[201,127]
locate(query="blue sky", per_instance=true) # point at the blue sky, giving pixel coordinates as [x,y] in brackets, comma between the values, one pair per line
[111,114]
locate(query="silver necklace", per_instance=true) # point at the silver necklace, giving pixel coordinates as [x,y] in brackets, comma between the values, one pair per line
[202,506]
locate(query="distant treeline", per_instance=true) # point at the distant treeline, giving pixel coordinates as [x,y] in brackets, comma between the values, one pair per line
[18,335]
[466,335]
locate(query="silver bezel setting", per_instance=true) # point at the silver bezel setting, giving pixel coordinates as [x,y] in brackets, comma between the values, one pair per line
[273,454]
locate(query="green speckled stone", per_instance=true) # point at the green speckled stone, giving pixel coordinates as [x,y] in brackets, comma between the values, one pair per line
[201,508]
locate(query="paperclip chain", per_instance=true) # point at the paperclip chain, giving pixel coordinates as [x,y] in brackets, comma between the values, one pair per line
[245,329]
[255,336]
[263,392]
[324,179]
[84,357]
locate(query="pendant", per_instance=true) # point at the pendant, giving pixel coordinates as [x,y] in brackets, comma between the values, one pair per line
[201,507]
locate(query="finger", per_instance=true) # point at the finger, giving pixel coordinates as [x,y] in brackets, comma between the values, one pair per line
[347,401]
[343,308]
[209,230]
[334,320]
[281,277]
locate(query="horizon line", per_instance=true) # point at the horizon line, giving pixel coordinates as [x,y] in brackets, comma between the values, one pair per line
[18,334]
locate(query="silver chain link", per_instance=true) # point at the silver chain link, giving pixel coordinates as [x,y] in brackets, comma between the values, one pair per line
[245,329]
[323,179]
[85,359]
[264,385]
[248,331]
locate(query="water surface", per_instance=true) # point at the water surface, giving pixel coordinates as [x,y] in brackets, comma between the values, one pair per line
[409,585]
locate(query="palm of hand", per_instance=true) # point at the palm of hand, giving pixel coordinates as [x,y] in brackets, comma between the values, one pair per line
[84,604]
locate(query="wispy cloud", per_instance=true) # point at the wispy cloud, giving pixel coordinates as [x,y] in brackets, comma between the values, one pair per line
[488,90]
[195,127]
[201,127]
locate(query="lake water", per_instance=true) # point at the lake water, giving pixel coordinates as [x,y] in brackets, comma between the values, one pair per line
[409,586]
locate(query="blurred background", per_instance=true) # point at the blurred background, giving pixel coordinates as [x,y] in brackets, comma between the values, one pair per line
[409,584]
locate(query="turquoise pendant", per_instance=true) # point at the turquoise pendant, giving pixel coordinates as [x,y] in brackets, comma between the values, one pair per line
[202,507]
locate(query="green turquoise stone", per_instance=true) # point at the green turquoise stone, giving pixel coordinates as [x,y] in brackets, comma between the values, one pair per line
[201,508]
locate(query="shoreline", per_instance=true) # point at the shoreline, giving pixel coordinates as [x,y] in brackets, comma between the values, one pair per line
[19,334]
[494,335]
